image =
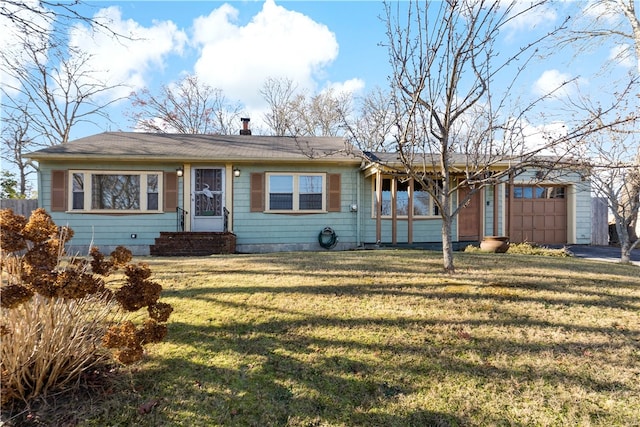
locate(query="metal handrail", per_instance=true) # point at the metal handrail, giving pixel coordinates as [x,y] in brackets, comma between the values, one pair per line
[180,213]
[226,219]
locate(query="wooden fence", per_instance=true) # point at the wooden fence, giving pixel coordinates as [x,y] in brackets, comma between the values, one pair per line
[599,221]
[20,206]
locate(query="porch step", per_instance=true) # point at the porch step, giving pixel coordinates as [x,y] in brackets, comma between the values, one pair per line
[193,244]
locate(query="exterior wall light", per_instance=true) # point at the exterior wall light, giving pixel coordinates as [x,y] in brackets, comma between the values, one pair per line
[236,172]
[179,171]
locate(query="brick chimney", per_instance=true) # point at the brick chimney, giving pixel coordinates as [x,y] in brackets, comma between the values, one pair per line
[245,126]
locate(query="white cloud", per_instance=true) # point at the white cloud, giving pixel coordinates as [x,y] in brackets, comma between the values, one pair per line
[351,86]
[524,138]
[622,54]
[276,43]
[607,10]
[129,60]
[539,137]
[526,16]
[555,84]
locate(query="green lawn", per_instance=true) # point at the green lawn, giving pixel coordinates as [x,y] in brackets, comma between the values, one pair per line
[384,338]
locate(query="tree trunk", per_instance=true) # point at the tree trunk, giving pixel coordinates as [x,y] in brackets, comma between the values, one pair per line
[23,182]
[625,252]
[625,243]
[447,246]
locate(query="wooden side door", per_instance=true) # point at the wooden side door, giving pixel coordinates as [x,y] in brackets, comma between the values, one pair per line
[469,216]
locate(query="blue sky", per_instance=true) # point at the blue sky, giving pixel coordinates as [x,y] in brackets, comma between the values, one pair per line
[236,45]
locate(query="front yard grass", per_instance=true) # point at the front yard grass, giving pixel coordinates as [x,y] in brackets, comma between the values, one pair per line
[384,338]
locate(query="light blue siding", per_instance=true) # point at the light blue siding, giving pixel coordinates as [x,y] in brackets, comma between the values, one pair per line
[490,210]
[102,230]
[266,232]
[583,214]
[489,205]
[263,232]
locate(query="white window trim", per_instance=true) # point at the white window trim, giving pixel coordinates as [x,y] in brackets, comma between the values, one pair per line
[143,190]
[296,192]
[373,204]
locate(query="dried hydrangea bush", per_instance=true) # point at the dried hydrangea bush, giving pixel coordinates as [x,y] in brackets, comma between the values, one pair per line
[60,316]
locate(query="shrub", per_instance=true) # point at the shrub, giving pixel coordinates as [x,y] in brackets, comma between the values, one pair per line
[48,342]
[527,248]
[59,316]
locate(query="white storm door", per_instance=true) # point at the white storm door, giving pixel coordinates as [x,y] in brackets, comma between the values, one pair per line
[207,199]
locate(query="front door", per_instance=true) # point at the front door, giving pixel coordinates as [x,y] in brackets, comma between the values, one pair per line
[207,199]
[469,216]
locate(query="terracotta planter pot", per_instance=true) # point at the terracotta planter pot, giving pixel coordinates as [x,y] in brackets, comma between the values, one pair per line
[497,244]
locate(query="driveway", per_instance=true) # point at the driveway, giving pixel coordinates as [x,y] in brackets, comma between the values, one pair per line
[602,253]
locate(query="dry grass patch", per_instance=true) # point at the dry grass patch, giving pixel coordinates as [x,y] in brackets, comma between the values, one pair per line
[384,338]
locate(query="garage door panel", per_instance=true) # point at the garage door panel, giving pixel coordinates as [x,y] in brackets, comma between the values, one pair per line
[517,208]
[561,222]
[551,236]
[538,236]
[539,220]
[548,221]
[517,236]
[561,236]
[538,208]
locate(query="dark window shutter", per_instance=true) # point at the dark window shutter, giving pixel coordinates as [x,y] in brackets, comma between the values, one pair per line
[333,193]
[257,192]
[58,191]
[170,191]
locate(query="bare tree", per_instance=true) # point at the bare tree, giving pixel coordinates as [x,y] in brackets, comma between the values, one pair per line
[295,113]
[279,93]
[16,143]
[448,109]
[189,107]
[53,88]
[616,24]
[50,19]
[612,22]
[615,162]
[48,87]
[370,126]
[322,114]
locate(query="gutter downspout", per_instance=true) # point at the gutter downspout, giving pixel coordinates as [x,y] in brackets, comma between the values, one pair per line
[495,210]
[359,205]
[378,206]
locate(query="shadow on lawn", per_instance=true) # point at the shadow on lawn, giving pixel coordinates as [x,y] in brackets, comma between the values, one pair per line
[581,295]
[429,263]
[286,378]
[275,371]
[285,391]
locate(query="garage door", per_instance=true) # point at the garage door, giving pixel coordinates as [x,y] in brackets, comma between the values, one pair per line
[539,214]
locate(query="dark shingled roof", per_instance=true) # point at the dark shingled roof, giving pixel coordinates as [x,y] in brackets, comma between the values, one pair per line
[159,146]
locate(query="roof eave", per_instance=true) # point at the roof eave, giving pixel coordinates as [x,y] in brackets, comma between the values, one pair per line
[159,159]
